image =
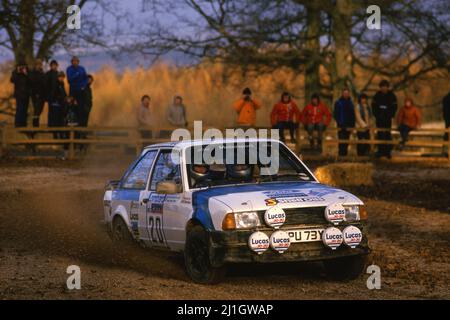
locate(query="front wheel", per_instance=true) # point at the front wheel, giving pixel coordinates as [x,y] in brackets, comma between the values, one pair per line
[120,233]
[346,268]
[196,258]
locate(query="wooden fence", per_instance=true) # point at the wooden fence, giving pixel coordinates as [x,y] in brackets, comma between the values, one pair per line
[10,138]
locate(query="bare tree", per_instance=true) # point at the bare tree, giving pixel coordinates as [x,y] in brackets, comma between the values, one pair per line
[32,28]
[305,36]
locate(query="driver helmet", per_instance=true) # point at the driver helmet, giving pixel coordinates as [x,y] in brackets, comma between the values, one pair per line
[200,171]
[239,171]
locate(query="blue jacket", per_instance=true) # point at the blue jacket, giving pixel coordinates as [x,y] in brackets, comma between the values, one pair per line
[77,78]
[344,113]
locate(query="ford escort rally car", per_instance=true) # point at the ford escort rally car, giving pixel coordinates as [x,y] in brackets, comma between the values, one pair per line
[230,212]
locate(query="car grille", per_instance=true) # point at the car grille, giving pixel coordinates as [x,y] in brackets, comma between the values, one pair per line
[295,216]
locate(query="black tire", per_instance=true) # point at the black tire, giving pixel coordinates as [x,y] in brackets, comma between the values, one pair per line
[346,268]
[120,233]
[196,258]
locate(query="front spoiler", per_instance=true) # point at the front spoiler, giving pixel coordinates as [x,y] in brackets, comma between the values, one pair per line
[232,247]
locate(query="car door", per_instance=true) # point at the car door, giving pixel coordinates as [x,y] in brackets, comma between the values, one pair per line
[163,170]
[128,197]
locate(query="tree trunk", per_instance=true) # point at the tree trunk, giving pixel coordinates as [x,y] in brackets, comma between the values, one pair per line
[313,59]
[25,44]
[341,32]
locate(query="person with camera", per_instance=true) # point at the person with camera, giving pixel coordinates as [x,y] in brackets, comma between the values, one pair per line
[246,109]
[38,90]
[21,82]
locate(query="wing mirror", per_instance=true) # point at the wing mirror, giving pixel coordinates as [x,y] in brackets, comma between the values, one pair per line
[112,184]
[168,187]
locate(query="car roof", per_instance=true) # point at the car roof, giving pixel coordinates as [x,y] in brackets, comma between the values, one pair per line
[189,143]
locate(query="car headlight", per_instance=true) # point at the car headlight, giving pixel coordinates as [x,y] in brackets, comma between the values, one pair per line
[355,213]
[241,220]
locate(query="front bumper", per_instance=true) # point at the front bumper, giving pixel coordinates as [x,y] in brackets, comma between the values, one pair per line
[232,247]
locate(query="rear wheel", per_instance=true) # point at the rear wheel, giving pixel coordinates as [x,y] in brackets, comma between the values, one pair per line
[196,258]
[346,268]
[120,233]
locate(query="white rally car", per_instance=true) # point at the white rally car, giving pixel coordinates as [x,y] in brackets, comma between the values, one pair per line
[230,212]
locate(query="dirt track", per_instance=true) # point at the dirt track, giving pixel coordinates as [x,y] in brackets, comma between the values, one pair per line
[50,214]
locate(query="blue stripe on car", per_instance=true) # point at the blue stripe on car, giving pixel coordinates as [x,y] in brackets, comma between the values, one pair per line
[200,198]
[121,194]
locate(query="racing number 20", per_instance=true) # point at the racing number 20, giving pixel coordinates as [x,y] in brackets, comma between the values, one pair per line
[155,226]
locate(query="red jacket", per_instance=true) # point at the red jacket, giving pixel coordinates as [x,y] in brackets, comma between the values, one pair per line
[316,114]
[285,112]
[409,116]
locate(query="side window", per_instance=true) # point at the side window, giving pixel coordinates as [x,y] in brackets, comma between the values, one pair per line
[165,170]
[137,178]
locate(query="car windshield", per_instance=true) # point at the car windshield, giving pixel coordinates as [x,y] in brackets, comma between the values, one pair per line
[243,162]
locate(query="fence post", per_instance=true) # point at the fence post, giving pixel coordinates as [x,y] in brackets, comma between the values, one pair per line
[448,144]
[71,144]
[138,141]
[372,138]
[3,142]
[297,140]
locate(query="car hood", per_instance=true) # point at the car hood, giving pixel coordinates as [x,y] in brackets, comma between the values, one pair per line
[250,197]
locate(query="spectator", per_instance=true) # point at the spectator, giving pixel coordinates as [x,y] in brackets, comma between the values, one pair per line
[52,83]
[176,113]
[78,82]
[145,117]
[89,100]
[38,90]
[446,113]
[363,115]
[344,114]
[56,106]
[384,108]
[285,115]
[21,82]
[408,119]
[246,108]
[316,117]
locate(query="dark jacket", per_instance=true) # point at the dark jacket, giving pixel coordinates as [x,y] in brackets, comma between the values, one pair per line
[344,113]
[21,85]
[384,108]
[446,110]
[51,79]
[38,84]
[88,98]
[60,94]
[77,77]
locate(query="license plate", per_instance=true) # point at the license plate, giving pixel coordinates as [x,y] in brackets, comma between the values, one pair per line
[305,235]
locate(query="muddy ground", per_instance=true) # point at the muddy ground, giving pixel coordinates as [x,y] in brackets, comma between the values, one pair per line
[50,213]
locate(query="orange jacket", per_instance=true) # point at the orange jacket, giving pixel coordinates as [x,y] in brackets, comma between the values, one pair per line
[316,114]
[409,116]
[285,112]
[246,111]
